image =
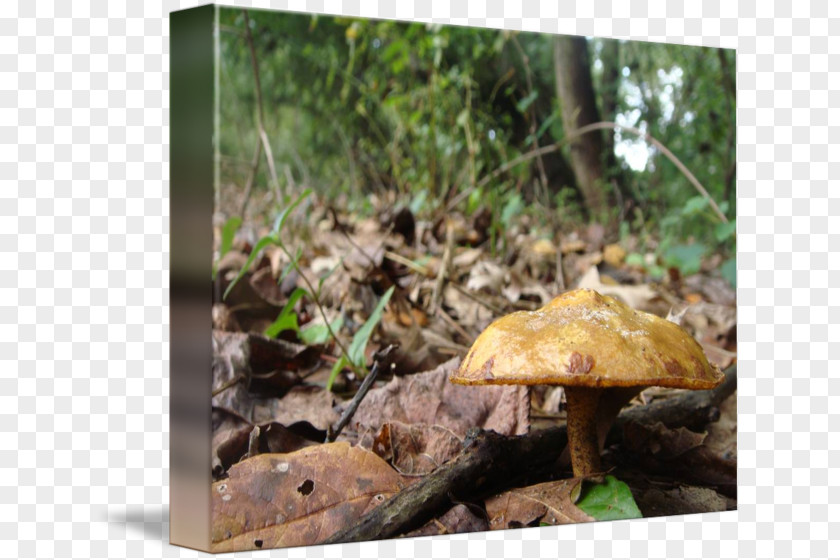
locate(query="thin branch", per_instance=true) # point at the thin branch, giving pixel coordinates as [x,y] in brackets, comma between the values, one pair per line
[269,157]
[490,462]
[333,433]
[580,132]
[317,300]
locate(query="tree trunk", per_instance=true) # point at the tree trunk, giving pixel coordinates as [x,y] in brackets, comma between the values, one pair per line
[577,101]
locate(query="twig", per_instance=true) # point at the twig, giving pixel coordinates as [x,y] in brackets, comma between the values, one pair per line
[490,461]
[453,323]
[580,132]
[317,300]
[228,384]
[443,273]
[533,111]
[399,259]
[253,442]
[269,157]
[558,273]
[492,307]
[252,175]
[333,433]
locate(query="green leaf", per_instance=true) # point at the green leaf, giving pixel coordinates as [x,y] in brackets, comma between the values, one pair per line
[729,271]
[687,258]
[320,334]
[281,219]
[261,244]
[462,118]
[287,319]
[513,207]
[635,259]
[724,231]
[694,205]
[339,365]
[418,202]
[360,339]
[228,232]
[608,501]
[523,104]
[546,124]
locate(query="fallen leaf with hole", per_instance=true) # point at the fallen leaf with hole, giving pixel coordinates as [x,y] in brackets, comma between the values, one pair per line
[297,499]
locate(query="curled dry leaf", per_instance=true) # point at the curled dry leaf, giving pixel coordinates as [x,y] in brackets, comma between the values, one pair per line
[414,449]
[297,499]
[487,275]
[638,297]
[548,503]
[429,398]
[303,403]
[231,439]
[660,441]
[265,285]
[250,371]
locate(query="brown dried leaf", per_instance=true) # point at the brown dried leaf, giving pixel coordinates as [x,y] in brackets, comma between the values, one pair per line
[723,434]
[459,519]
[637,297]
[429,398]
[265,285]
[660,441]
[682,500]
[547,503]
[416,449]
[232,437]
[297,499]
[303,403]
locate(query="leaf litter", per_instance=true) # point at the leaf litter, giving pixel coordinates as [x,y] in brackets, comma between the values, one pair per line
[272,406]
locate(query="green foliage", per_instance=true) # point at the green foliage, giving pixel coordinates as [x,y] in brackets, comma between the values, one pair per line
[261,244]
[360,339]
[355,106]
[287,319]
[320,334]
[729,271]
[272,239]
[513,207]
[687,258]
[228,233]
[356,353]
[608,501]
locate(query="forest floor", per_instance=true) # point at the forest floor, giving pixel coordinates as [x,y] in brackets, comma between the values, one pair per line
[281,480]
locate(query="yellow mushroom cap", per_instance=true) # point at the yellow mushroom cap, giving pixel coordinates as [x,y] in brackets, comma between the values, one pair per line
[583,338]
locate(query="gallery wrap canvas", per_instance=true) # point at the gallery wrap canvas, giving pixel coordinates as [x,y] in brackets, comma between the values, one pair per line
[430,279]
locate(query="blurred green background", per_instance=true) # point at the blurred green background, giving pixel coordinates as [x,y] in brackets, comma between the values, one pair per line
[424,114]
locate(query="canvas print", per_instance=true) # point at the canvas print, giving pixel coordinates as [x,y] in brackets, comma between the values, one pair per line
[466,279]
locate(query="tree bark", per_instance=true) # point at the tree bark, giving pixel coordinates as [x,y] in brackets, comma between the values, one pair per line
[577,102]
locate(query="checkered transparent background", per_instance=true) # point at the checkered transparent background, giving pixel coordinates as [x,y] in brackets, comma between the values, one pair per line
[84,288]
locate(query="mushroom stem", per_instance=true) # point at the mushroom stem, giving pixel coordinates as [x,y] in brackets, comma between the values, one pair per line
[582,427]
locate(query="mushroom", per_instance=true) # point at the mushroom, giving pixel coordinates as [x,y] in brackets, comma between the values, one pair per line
[600,350]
